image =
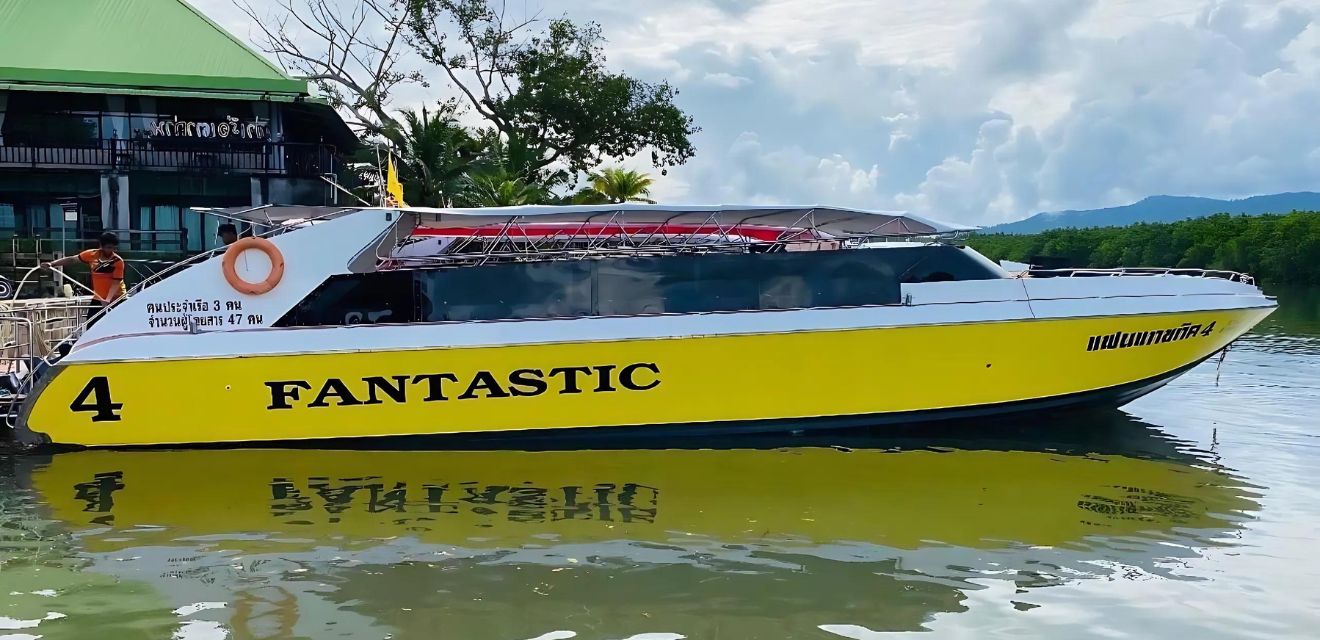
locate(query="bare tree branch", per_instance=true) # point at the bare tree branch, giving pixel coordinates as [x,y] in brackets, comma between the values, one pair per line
[335,49]
[485,59]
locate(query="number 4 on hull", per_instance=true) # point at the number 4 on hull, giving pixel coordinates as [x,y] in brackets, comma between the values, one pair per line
[95,399]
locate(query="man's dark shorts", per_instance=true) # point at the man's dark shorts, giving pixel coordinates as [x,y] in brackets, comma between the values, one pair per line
[93,309]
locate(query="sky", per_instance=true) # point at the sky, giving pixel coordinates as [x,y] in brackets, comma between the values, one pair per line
[971,111]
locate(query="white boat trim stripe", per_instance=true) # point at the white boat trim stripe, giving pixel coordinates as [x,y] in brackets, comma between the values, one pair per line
[501,333]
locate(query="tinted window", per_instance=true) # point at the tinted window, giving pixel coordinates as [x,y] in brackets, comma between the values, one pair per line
[388,296]
[526,290]
[674,284]
[634,286]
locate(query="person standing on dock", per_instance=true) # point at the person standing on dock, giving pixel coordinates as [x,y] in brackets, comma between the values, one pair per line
[107,269]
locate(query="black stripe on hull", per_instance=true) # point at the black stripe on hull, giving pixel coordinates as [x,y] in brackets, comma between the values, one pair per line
[1110,397]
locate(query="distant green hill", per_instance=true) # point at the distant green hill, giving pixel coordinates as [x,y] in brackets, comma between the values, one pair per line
[1161,209]
[1274,248]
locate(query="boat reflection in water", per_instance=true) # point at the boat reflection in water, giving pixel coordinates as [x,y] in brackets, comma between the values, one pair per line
[515,544]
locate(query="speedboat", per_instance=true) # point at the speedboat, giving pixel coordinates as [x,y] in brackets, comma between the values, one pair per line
[670,320]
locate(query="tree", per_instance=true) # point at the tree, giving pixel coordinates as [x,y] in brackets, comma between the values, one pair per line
[521,159]
[588,195]
[1274,248]
[620,185]
[551,88]
[497,188]
[435,156]
[551,108]
[352,56]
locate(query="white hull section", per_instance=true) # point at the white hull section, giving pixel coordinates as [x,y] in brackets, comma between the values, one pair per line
[941,303]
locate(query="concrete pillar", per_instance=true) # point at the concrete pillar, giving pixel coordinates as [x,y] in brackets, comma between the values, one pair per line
[257,200]
[124,204]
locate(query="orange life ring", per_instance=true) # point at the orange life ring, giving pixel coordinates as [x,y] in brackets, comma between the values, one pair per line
[253,288]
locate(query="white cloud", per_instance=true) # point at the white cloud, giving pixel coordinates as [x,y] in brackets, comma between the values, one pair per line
[975,110]
[1222,113]
[756,174]
[726,80]
[994,179]
[1209,98]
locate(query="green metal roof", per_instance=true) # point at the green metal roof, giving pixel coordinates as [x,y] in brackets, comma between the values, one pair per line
[129,44]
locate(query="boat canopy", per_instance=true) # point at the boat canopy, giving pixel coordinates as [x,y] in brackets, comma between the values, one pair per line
[834,221]
[837,222]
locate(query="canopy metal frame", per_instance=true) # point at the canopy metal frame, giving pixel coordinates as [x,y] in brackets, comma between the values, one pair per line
[592,231]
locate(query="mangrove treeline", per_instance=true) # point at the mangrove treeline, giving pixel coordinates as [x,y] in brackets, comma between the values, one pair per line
[1282,248]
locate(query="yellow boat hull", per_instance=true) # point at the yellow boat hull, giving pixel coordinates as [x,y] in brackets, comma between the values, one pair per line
[875,374]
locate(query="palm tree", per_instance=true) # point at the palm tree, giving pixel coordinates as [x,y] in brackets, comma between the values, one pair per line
[497,188]
[587,195]
[436,154]
[522,159]
[620,185]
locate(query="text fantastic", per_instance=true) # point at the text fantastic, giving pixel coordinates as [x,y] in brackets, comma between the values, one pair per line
[442,387]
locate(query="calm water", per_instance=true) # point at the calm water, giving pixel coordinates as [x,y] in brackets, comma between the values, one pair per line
[1193,512]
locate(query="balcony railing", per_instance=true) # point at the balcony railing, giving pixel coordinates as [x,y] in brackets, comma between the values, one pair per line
[274,158]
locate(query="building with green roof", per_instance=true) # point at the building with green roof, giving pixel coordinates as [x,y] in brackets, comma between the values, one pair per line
[122,114]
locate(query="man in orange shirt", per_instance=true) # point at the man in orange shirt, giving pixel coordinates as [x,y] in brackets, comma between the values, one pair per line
[107,269]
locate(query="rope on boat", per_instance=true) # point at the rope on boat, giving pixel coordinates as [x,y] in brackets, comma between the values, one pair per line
[1223,354]
[24,280]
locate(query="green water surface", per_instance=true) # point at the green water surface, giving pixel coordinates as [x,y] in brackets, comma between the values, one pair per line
[1191,513]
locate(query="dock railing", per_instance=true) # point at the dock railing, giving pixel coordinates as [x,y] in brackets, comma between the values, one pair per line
[31,334]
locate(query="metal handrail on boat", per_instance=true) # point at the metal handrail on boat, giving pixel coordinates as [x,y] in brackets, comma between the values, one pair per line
[1233,276]
[209,253]
[552,255]
[46,338]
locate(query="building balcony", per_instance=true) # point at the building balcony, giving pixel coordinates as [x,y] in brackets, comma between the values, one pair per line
[299,160]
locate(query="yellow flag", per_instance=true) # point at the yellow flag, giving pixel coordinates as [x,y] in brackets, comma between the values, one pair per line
[393,188]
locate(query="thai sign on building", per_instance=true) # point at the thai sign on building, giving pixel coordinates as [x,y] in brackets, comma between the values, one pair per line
[229,128]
